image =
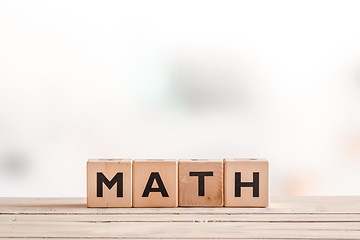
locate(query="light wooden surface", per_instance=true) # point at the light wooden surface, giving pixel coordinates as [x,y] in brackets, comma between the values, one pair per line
[285,218]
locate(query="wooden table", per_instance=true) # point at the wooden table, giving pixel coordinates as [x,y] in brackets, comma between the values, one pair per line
[286,217]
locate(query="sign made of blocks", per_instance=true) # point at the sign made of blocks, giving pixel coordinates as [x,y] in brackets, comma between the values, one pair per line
[232,182]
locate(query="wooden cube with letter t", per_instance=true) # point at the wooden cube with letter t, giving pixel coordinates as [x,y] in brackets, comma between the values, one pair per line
[200,183]
[109,183]
[155,183]
[246,182]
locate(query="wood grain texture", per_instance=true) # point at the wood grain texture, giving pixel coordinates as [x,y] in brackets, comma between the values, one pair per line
[200,190]
[155,174]
[239,174]
[109,168]
[285,218]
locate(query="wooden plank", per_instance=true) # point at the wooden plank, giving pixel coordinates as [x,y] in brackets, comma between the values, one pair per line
[306,218]
[290,205]
[170,230]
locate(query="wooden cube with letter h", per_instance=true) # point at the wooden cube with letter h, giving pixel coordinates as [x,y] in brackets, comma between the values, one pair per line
[155,183]
[246,182]
[109,183]
[200,182]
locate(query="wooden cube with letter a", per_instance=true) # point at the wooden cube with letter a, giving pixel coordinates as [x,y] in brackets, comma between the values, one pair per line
[246,182]
[155,183]
[200,182]
[109,183]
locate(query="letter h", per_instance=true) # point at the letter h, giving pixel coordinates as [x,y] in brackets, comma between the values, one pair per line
[239,184]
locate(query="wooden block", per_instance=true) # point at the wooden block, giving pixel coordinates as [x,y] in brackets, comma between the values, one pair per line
[155,183]
[109,183]
[200,182]
[246,182]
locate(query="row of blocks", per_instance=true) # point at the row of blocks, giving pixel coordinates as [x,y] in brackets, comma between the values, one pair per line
[171,183]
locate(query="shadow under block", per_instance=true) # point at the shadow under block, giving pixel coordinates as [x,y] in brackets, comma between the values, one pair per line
[200,183]
[246,182]
[109,183]
[155,183]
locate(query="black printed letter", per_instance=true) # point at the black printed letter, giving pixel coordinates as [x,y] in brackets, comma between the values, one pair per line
[201,181]
[239,184]
[102,179]
[149,188]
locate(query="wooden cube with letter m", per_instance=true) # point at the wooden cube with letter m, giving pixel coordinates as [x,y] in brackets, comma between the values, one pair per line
[109,183]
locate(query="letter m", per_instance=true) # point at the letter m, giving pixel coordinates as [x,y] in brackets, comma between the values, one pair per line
[118,178]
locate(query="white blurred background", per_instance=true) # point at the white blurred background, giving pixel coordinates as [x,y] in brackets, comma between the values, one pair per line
[179,79]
